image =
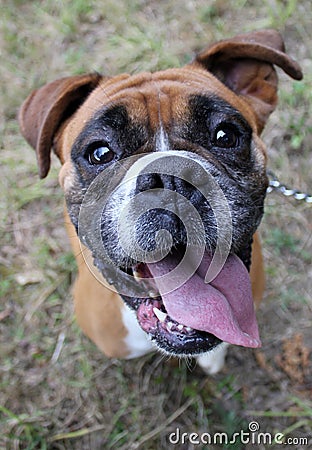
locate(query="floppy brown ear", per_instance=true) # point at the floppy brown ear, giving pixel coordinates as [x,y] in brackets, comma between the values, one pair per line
[43,112]
[245,65]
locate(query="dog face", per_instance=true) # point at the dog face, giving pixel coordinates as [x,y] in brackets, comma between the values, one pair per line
[203,134]
[164,177]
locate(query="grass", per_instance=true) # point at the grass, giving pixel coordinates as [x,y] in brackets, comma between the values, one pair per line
[56,390]
[299,126]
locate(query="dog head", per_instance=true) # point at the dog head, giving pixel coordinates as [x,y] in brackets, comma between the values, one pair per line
[164,177]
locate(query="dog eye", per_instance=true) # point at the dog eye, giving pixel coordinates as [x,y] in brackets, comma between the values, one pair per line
[226,136]
[100,153]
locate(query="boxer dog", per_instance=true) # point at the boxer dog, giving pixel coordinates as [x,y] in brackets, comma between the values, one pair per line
[164,176]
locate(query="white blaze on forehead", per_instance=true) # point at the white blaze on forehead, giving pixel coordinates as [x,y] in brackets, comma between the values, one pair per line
[162,141]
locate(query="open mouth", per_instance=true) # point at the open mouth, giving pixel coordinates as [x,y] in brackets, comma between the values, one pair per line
[196,316]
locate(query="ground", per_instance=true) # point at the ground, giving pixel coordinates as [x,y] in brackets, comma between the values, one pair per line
[57,390]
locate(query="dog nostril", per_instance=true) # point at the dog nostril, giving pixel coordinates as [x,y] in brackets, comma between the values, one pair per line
[146,182]
[149,181]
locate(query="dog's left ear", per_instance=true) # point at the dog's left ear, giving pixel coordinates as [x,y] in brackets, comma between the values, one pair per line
[46,109]
[245,65]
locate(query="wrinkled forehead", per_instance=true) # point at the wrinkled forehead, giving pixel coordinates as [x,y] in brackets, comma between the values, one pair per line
[157,99]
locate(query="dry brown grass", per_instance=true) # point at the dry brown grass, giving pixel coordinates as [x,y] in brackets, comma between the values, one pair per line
[57,390]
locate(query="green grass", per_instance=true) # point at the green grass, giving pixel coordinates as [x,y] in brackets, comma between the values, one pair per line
[280,12]
[299,126]
[28,433]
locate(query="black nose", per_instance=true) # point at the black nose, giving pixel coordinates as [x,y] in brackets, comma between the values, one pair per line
[146,182]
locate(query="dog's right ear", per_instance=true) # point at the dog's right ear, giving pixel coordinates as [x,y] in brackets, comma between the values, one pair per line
[44,111]
[245,64]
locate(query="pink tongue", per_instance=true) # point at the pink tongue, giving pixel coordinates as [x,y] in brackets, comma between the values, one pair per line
[223,307]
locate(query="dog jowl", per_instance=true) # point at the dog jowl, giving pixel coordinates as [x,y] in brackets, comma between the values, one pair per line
[164,176]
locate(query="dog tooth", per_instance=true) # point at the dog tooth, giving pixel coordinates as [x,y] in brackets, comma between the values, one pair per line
[170,325]
[180,327]
[136,275]
[189,329]
[153,294]
[160,314]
